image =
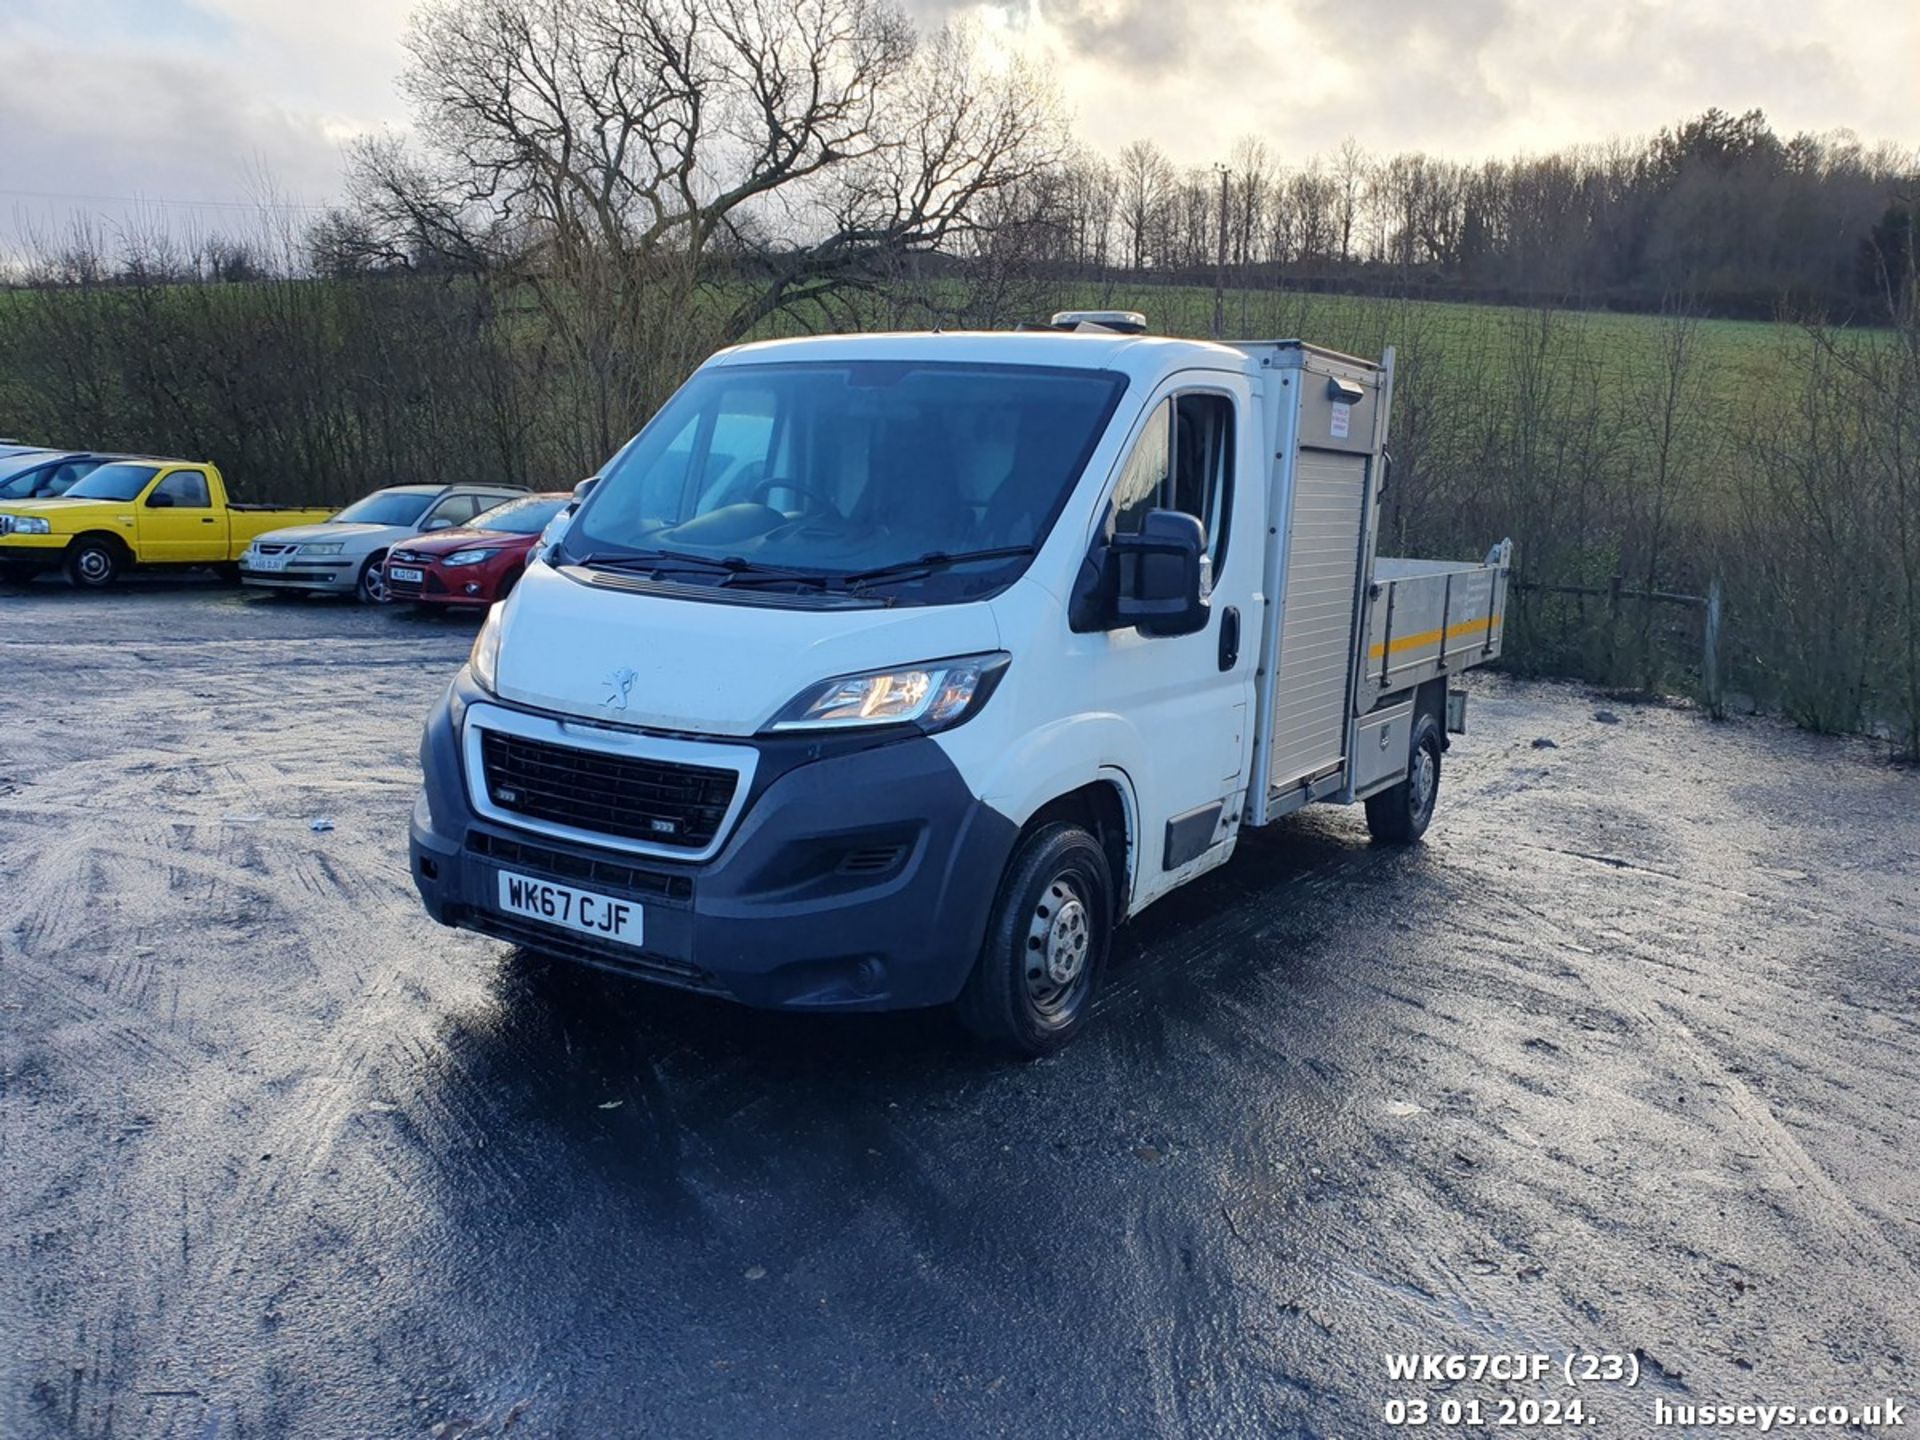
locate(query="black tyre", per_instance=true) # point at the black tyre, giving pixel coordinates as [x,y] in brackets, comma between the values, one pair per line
[1047,941]
[1400,814]
[372,589]
[94,564]
[228,574]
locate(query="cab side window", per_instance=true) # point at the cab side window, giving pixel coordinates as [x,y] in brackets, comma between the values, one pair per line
[1203,466]
[454,510]
[1143,484]
[187,489]
[1183,461]
[740,453]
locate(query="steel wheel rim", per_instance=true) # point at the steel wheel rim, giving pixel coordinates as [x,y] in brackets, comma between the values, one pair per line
[94,565]
[1425,777]
[1059,945]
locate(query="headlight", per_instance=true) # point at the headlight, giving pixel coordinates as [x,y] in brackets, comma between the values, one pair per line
[29,525]
[469,557]
[932,696]
[484,658]
[319,549]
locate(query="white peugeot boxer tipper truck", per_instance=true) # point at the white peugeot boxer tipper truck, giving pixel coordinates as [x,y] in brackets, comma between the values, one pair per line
[884,671]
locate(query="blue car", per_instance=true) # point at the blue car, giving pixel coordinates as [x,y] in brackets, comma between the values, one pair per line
[36,474]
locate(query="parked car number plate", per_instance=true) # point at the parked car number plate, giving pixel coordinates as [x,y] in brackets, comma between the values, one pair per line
[271,562]
[406,573]
[582,911]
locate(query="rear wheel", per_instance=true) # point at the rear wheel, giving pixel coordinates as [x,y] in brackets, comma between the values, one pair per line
[1401,813]
[372,589]
[1047,940]
[94,564]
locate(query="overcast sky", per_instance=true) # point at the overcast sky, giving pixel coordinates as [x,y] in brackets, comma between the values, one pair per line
[196,100]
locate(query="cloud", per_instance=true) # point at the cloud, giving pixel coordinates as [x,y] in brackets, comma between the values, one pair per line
[1466,78]
[198,111]
[195,99]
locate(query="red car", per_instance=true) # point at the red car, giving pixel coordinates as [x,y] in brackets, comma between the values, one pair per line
[476,564]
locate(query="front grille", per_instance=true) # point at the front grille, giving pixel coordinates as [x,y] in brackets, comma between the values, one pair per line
[612,875]
[265,549]
[545,940]
[652,800]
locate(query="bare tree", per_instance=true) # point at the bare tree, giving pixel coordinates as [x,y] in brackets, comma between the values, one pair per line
[1146,183]
[1248,197]
[1350,171]
[667,174]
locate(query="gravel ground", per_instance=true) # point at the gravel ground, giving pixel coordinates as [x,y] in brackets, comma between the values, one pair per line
[1622,1059]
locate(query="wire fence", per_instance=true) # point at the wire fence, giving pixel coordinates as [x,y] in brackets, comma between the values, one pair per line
[1651,641]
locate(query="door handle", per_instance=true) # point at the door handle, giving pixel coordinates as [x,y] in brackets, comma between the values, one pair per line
[1229,638]
[206,519]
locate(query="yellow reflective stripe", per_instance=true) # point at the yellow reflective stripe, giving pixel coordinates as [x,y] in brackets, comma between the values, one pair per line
[1432,637]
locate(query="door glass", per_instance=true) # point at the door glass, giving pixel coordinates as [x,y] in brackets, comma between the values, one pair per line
[186,488]
[1143,484]
[1203,467]
[739,452]
[454,510]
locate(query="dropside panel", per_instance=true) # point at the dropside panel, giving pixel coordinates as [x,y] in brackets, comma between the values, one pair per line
[1432,617]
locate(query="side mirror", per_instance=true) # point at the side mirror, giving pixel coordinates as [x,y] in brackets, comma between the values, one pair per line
[159,500]
[439,522]
[1161,584]
[585,488]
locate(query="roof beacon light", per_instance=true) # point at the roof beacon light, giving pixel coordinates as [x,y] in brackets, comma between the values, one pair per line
[1120,322]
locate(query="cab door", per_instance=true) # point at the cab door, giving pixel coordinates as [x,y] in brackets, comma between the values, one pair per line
[177,523]
[1196,449]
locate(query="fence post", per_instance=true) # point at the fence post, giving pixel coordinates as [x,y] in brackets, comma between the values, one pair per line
[1613,626]
[1710,658]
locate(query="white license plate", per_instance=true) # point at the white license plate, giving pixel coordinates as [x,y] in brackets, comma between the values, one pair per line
[581,911]
[271,562]
[402,572]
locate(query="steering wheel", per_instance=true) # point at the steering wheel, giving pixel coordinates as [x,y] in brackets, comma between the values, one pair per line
[766,488]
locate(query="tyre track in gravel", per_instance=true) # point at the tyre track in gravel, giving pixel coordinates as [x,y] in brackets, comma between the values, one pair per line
[122,847]
[1340,1100]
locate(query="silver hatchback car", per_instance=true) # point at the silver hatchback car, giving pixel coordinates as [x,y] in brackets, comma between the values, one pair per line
[346,555]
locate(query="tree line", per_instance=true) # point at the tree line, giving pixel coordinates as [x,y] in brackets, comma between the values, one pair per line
[598,193]
[1719,209]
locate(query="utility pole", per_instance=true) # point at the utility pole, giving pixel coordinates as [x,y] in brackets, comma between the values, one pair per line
[1220,265]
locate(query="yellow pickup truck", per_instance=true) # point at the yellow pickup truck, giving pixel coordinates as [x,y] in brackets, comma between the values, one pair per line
[135,512]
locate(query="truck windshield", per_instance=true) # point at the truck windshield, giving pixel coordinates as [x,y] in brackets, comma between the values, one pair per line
[935,478]
[113,482]
[384,507]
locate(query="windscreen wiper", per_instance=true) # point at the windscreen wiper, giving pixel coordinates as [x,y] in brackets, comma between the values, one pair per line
[732,569]
[933,560]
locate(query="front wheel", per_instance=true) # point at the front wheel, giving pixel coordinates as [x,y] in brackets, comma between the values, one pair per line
[1401,813]
[1047,940]
[372,589]
[93,564]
